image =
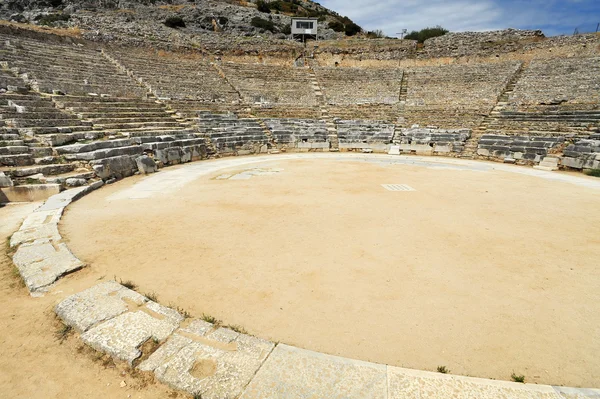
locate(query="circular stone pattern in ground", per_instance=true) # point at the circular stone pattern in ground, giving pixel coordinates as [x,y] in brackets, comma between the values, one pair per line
[481,270]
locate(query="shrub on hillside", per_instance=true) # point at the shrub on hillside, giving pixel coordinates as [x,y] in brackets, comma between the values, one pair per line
[426,33]
[263,6]
[336,26]
[175,22]
[264,24]
[51,19]
[352,29]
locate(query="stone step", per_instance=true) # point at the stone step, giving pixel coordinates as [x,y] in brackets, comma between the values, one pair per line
[16,160]
[58,139]
[96,145]
[105,153]
[53,169]
[136,125]
[41,123]
[14,150]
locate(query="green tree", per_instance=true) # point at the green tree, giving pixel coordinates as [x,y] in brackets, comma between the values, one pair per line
[426,33]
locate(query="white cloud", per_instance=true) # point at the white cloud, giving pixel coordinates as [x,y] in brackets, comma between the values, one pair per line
[465,15]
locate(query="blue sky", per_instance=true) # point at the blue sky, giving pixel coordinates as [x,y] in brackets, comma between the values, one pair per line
[554,17]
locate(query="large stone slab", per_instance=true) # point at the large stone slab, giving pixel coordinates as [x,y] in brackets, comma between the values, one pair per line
[38,225]
[297,373]
[415,384]
[97,304]
[122,336]
[577,393]
[63,199]
[212,363]
[42,262]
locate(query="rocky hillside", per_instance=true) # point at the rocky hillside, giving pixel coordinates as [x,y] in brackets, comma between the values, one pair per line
[176,20]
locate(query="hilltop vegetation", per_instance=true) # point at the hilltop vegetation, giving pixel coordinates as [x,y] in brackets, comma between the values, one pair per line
[241,17]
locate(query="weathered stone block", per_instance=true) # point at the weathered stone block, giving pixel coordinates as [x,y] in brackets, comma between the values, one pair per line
[297,373]
[42,262]
[146,165]
[97,304]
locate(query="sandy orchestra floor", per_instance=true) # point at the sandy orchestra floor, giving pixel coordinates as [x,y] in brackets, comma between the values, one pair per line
[484,272]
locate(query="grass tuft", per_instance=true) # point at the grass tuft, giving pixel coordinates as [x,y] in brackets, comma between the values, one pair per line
[237,328]
[128,284]
[151,296]
[183,312]
[518,378]
[211,319]
[63,333]
[442,369]
[593,172]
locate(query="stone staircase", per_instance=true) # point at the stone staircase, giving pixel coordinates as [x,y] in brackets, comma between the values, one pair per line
[330,124]
[470,150]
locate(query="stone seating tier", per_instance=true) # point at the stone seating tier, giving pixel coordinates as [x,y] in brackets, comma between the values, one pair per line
[70,68]
[271,84]
[348,86]
[300,134]
[193,79]
[524,149]
[383,112]
[230,134]
[455,96]
[364,131]
[431,141]
[583,154]
[557,81]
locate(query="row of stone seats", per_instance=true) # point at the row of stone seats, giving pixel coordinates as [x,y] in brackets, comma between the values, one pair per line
[390,113]
[520,148]
[188,110]
[73,68]
[583,154]
[231,134]
[27,115]
[285,111]
[349,86]
[301,134]
[123,116]
[570,83]
[454,96]
[550,120]
[273,84]
[175,75]
[431,141]
[364,134]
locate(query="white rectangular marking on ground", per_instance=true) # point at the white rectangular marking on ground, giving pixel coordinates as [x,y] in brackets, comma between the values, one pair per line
[398,187]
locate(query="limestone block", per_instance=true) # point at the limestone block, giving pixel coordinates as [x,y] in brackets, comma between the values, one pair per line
[146,165]
[38,225]
[42,262]
[213,364]
[444,149]
[297,373]
[97,304]
[5,181]
[117,167]
[122,336]
[75,182]
[394,150]
[63,199]
[408,384]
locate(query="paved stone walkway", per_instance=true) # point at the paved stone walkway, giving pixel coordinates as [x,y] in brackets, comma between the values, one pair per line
[200,358]
[216,362]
